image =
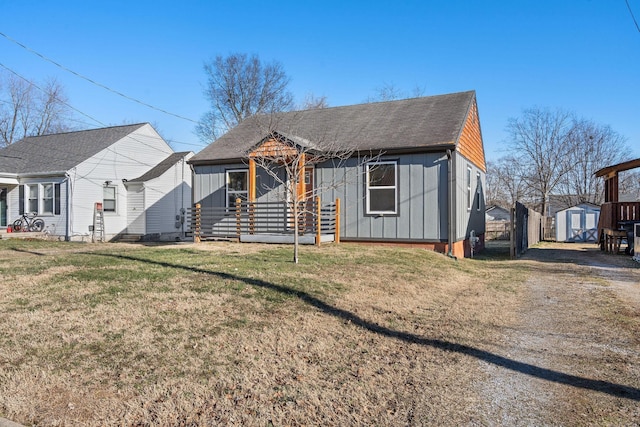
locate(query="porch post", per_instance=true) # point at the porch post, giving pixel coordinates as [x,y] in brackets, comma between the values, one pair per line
[301,185]
[252,180]
[337,230]
[238,217]
[196,223]
[252,194]
[318,221]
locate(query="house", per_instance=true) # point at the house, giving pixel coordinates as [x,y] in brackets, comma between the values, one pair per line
[142,185]
[577,223]
[415,175]
[158,200]
[497,213]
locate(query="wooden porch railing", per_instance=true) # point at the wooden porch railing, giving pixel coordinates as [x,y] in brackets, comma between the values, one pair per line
[264,218]
[611,213]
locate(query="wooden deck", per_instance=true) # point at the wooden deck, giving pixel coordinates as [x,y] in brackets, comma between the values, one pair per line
[612,214]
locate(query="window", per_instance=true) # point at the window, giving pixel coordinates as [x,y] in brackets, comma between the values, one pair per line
[109,199]
[237,186]
[382,188]
[33,198]
[47,198]
[469,198]
[478,189]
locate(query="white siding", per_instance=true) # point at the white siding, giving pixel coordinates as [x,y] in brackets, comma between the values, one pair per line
[128,158]
[166,196]
[135,209]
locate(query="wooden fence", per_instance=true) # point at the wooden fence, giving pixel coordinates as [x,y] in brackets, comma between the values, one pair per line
[527,229]
[265,218]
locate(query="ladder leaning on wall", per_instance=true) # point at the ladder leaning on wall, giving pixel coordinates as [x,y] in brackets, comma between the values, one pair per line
[98,223]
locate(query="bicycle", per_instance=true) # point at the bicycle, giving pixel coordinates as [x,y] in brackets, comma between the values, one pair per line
[28,222]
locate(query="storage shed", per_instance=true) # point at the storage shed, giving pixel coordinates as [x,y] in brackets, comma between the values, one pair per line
[578,223]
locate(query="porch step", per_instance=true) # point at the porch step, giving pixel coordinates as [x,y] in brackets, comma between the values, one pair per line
[129,238]
[22,235]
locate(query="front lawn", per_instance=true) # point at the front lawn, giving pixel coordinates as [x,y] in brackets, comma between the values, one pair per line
[114,334]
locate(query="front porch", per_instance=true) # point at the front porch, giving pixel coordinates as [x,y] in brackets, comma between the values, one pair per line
[267,222]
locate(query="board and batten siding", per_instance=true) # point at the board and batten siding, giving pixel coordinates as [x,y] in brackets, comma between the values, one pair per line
[469,216]
[422,199]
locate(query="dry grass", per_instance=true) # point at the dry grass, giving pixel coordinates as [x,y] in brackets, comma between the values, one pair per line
[238,335]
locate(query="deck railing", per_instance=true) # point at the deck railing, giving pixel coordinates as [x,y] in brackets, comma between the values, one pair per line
[264,218]
[612,213]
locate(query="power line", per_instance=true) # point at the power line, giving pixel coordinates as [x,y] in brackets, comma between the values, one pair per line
[28,49]
[632,15]
[39,88]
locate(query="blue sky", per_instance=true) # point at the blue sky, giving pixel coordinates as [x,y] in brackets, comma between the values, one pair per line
[579,55]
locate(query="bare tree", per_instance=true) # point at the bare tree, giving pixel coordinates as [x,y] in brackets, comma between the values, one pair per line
[312,102]
[543,142]
[283,152]
[390,92]
[238,87]
[596,147]
[28,109]
[507,181]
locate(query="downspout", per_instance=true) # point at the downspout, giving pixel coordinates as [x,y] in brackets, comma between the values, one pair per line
[450,204]
[67,232]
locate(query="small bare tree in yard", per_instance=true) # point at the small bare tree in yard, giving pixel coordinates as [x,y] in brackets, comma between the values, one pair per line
[284,152]
[28,109]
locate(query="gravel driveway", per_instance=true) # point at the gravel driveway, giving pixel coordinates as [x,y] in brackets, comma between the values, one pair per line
[573,356]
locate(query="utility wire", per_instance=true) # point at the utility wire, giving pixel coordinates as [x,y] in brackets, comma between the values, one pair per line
[39,88]
[632,15]
[28,49]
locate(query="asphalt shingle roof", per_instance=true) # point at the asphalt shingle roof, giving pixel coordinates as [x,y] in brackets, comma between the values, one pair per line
[161,168]
[61,151]
[409,124]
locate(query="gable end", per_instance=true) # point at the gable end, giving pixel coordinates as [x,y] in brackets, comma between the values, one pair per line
[470,143]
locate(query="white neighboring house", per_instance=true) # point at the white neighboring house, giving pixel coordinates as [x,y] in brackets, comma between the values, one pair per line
[157,201]
[62,176]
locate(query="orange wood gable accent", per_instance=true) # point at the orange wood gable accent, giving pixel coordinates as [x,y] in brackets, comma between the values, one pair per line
[252,180]
[470,144]
[302,190]
[273,148]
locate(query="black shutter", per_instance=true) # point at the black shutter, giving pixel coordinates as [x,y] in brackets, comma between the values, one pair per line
[56,199]
[21,200]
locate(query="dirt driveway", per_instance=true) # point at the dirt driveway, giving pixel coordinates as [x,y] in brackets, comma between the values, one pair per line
[573,356]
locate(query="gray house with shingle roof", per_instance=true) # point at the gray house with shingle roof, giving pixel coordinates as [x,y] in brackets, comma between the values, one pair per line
[430,149]
[62,176]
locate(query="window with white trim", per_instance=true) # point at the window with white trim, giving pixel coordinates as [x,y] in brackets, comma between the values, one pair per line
[382,188]
[32,201]
[237,186]
[469,194]
[478,188]
[109,198]
[47,199]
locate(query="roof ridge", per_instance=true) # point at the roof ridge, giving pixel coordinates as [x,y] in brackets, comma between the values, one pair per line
[86,130]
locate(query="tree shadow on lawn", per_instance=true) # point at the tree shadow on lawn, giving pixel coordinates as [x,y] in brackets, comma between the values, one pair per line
[606,387]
